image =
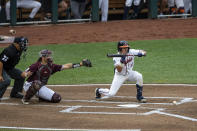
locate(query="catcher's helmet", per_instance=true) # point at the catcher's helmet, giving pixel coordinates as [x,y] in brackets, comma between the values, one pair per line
[122,44]
[45,53]
[22,41]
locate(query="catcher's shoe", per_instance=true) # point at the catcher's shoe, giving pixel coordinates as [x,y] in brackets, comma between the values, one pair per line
[25,102]
[142,99]
[98,95]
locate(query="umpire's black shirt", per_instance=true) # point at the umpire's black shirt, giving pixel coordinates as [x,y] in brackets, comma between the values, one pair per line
[10,57]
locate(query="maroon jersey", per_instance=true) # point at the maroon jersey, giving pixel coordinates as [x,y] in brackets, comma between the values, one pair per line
[42,72]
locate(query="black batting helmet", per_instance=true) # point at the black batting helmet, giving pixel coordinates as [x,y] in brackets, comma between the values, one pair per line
[122,44]
[22,41]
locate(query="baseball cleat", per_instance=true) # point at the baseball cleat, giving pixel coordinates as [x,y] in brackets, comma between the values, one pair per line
[98,95]
[142,100]
[24,102]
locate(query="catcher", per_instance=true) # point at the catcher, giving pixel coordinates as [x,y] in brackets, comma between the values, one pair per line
[41,71]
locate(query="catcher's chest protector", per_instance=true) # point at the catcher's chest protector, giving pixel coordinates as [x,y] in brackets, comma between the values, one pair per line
[43,73]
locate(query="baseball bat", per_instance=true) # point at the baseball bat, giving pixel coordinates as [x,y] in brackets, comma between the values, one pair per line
[118,55]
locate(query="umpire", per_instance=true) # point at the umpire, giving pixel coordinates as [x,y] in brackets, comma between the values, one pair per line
[9,58]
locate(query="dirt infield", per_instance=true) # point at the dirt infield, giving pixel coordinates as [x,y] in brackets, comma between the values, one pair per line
[107,32]
[78,108]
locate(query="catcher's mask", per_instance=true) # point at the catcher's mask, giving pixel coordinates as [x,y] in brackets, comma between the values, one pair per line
[123,44]
[22,42]
[46,53]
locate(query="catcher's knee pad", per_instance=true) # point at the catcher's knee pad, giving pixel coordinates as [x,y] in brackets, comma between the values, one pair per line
[36,85]
[56,98]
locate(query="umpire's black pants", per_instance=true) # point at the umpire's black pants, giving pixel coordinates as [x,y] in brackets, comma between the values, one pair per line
[18,81]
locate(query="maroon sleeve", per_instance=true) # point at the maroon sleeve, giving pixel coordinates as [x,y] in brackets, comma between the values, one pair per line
[33,68]
[56,68]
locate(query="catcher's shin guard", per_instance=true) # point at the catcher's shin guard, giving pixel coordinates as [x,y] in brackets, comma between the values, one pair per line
[139,96]
[56,98]
[36,85]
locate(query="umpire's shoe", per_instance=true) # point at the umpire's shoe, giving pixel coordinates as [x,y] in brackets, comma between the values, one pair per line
[98,95]
[18,95]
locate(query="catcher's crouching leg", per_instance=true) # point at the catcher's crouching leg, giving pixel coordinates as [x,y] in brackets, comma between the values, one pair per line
[56,98]
[36,85]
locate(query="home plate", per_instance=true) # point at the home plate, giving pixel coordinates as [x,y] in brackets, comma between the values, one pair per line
[130,105]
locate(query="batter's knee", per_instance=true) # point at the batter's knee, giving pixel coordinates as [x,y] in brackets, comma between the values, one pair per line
[56,98]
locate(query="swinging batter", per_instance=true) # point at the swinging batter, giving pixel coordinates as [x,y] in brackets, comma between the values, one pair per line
[124,71]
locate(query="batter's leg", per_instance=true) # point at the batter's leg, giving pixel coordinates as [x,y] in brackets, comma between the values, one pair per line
[115,86]
[137,77]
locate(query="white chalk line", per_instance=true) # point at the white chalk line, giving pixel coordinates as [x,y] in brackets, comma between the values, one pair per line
[181,85]
[82,85]
[56,129]
[185,100]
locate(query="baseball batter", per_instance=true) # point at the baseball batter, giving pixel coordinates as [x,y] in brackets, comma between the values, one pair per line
[124,71]
[103,5]
[29,4]
[41,71]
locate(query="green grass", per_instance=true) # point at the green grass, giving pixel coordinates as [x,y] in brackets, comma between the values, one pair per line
[167,61]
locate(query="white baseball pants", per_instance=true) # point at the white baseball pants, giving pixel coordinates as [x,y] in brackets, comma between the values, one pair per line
[119,80]
[179,3]
[128,3]
[188,5]
[29,4]
[44,92]
[103,5]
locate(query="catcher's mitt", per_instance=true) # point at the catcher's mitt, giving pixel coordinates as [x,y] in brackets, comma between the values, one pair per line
[86,63]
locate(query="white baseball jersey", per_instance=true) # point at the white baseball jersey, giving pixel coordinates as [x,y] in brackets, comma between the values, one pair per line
[28,4]
[103,4]
[129,61]
[127,73]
